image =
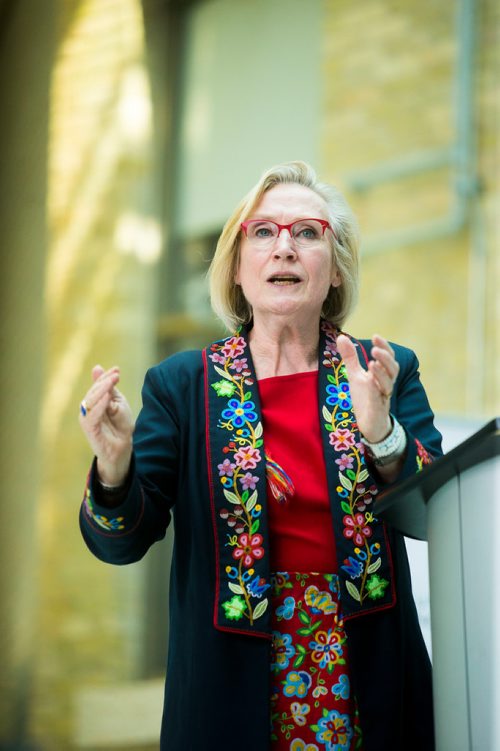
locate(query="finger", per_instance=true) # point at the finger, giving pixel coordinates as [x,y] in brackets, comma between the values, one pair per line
[383,380]
[379,341]
[106,384]
[386,359]
[348,353]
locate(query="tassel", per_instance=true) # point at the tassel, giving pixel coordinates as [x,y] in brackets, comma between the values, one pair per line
[280,484]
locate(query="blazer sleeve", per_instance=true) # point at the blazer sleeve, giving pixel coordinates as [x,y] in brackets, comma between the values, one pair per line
[122,534]
[409,404]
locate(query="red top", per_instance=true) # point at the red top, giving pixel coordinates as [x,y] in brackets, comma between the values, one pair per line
[301,529]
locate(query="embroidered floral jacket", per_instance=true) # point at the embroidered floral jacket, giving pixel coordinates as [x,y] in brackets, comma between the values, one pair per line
[198,438]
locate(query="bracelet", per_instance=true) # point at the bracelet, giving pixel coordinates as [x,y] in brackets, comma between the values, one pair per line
[391,448]
[110,488]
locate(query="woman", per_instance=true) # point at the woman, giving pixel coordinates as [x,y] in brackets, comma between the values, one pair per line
[290,601]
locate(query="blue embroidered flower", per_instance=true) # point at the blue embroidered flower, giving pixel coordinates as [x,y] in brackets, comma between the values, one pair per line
[297,683]
[239,412]
[339,395]
[335,731]
[286,610]
[341,690]
[257,586]
[283,651]
[353,567]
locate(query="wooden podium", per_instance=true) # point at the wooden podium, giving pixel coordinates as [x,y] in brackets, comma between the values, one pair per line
[454,504]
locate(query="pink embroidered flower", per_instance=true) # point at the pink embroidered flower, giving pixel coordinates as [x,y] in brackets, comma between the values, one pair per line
[342,439]
[249,481]
[239,365]
[215,357]
[356,529]
[234,346]
[331,347]
[249,547]
[345,461]
[226,468]
[247,457]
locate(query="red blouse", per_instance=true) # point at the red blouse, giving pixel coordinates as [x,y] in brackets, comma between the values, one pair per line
[300,529]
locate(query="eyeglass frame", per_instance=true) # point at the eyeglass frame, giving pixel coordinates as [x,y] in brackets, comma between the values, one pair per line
[324,223]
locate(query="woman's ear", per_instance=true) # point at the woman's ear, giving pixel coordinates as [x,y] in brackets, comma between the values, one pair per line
[336,279]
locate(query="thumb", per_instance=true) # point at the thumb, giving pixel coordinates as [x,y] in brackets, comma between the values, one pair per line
[348,353]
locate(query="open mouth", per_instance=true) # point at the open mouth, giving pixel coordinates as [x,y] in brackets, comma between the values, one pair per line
[282,280]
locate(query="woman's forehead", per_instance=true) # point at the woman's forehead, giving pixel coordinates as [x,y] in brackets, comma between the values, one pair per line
[292,200]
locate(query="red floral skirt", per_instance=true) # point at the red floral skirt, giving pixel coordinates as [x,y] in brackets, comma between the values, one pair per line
[312,705]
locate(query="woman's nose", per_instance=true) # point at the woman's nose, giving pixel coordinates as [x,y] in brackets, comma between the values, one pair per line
[283,245]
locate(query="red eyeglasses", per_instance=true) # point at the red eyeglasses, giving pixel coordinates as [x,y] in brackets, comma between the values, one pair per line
[304,232]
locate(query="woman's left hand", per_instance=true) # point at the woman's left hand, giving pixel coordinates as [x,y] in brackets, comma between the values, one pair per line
[370,389]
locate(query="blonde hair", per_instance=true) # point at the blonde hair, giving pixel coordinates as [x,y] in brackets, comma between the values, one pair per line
[228,300]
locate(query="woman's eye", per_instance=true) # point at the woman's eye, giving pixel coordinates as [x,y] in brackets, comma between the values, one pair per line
[263,232]
[307,233]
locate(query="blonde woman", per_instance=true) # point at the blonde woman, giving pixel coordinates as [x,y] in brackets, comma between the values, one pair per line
[292,623]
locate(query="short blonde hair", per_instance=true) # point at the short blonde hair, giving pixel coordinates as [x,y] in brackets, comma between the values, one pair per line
[228,300]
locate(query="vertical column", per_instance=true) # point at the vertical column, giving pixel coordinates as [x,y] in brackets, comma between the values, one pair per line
[27,38]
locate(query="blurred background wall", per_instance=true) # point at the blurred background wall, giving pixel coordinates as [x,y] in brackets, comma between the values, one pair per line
[129,131]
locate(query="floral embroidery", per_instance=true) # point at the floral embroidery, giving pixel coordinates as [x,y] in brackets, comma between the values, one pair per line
[112,525]
[423,456]
[242,454]
[312,706]
[355,490]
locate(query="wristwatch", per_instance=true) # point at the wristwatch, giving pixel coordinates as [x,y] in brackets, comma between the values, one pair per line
[391,448]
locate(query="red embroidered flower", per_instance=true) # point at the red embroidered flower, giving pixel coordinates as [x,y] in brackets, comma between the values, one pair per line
[234,346]
[247,457]
[342,439]
[249,547]
[355,528]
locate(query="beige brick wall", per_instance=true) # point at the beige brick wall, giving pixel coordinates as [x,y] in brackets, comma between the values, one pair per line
[389,77]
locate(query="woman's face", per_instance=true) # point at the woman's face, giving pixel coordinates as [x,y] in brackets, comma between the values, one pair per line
[284,279]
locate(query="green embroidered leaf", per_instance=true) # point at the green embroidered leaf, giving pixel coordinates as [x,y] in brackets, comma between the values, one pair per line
[329,427]
[224,388]
[363,475]
[345,507]
[223,374]
[298,662]
[236,588]
[350,474]
[259,443]
[353,591]
[331,378]
[376,587]
[315,626]
[231,497]
[304,631]
[251,501]
[374,566]
[247,396]
[255,526]
[244,496]
[314,728]
[260,609]
[325,712]
[301,649]
[258,430]
[234,608]
[347,484]
[326,414]
[304,617]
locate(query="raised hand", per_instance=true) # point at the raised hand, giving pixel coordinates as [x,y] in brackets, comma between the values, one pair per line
[370,389]
[106,419]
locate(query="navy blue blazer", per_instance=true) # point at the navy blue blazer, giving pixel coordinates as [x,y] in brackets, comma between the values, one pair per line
[216,694]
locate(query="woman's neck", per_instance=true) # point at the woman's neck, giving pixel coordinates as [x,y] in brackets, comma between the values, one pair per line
[283,349]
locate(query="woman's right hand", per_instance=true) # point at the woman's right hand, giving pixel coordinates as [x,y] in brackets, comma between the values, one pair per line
[108,425]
